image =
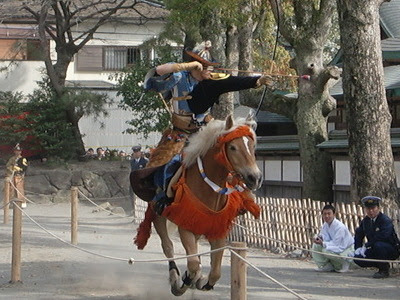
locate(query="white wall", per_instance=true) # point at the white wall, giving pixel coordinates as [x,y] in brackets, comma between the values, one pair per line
[21,76]
[342,172]
[111,136]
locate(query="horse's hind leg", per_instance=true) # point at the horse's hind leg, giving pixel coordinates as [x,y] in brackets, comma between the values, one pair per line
[160,224]
[207,283]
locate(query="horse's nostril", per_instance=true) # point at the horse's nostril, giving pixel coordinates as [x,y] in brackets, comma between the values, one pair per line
[252,179]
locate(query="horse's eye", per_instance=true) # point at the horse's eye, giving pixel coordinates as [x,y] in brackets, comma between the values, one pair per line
[231,147]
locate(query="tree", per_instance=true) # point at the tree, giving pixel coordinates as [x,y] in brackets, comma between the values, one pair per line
[371,156]
[58,19]
[305,25]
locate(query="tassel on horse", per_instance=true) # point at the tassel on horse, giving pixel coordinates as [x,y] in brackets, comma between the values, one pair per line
[144,230]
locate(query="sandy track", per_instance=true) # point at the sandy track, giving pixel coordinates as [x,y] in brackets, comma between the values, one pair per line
[54,270]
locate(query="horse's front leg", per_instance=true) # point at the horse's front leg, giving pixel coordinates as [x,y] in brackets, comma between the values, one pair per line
[160,224]
[207,283]
[189,242]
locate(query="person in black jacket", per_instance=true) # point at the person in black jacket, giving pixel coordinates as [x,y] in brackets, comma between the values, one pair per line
[381,238]
[138,162]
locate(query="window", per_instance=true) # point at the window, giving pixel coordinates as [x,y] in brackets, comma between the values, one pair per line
[117,58]
[21,49]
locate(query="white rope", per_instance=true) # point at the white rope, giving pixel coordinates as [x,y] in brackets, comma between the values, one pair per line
[18,192]
[268,276]
[130,260]
[313,251]
[102,208]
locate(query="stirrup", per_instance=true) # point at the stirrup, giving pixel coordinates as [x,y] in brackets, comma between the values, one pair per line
[161,204]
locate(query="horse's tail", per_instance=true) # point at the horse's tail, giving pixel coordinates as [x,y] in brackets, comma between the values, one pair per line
[144,230]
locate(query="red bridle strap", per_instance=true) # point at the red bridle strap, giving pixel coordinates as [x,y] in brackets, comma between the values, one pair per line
[240,131]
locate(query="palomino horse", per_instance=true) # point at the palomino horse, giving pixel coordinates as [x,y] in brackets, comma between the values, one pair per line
[219,170]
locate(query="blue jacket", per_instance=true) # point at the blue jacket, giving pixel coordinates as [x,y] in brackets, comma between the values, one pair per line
[141,164]
[381,231]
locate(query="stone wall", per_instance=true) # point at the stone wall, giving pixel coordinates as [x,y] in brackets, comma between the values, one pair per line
[95,179]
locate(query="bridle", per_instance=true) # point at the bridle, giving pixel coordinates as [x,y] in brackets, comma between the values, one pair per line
[223,160]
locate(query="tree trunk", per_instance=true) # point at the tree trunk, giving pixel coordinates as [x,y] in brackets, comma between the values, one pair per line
[311,121]
[370,151]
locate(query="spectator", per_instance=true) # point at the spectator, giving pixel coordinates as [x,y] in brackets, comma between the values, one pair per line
[137,162]
[334,238]
[122,155]
[90,153]
[15,173]
[100,153]
[382,241]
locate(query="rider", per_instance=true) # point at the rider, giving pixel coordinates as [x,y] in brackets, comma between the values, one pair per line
[195,89]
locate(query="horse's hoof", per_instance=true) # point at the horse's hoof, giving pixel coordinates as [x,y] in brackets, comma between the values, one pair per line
[177,291]
[207,287]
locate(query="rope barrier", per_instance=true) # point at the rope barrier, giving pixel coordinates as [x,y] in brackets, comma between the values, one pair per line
[268,276]
[102,208]
[131,261]
[313,251]
[18,192]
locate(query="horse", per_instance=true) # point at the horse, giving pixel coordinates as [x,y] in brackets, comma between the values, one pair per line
[214,185]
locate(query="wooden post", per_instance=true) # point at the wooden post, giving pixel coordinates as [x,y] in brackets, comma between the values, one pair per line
[6,200]
[16,243]
[238,273]
[74,215]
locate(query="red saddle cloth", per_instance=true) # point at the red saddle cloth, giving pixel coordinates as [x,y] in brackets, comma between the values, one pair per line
[188,212]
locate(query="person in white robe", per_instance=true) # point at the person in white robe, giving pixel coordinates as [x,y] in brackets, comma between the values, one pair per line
[334,238]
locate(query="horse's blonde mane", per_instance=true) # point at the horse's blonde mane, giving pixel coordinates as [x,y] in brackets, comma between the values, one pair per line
[202,141]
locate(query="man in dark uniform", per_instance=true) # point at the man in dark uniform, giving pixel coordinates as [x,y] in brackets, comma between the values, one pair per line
[381,238]
[137,163]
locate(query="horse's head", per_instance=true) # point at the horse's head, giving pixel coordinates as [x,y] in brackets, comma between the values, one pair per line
[237,152]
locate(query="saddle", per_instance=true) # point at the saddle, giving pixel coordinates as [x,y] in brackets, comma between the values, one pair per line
[164,162]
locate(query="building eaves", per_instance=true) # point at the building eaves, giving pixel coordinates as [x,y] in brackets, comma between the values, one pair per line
[12,12]
[338,141]
[286,144]
[390,18]
[392,81]
[90,84]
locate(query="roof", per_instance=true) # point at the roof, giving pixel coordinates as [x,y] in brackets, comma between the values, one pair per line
[283,144]
[90,84]
[390,18]
[11,11]
[392,81]
[338,141]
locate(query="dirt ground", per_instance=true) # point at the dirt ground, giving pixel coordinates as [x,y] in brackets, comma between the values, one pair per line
[52,269]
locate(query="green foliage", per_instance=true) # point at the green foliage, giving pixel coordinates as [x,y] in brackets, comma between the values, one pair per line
[48,123]
[148,111]
[12,123]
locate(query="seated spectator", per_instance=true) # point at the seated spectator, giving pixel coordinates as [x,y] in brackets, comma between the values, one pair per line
[381,242]
[100,153]
[334,238]
[90,153]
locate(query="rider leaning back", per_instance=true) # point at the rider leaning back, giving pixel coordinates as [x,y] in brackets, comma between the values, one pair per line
[193,89]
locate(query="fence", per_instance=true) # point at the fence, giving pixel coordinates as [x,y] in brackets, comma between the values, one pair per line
[294,222]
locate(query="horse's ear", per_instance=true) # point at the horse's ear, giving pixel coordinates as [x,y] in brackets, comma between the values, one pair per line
[229,122]
[251,120]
